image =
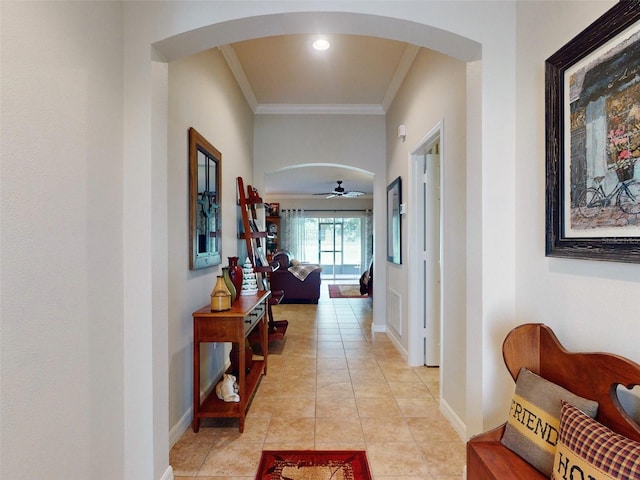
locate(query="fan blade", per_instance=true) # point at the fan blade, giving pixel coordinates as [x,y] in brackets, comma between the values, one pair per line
[353,194]
[331,195]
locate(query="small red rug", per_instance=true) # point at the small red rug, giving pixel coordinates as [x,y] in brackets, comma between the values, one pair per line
[313,465]
[345,291]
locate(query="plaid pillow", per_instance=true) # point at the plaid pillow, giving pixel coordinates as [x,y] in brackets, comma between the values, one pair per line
[588,449]
[534,419]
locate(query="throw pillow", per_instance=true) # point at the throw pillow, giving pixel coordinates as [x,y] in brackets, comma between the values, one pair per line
[534,419]
[588,449]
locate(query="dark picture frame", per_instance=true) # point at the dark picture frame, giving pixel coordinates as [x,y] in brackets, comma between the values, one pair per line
[592,97]
[394,224]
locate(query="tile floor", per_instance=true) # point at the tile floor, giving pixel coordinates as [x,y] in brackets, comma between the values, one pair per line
[332,384]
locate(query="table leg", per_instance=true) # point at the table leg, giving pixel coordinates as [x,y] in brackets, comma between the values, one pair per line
[195,424]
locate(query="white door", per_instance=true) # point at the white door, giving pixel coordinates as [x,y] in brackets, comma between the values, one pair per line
[431,256]
[425,246]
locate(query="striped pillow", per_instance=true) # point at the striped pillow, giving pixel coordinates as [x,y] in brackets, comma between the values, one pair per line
[588,449]
[534,419]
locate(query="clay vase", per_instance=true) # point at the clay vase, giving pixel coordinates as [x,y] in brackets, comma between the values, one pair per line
[235,272]
[234,358]
[227,281]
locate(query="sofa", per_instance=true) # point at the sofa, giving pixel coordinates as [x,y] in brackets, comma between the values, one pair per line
[300,282]
[366,281]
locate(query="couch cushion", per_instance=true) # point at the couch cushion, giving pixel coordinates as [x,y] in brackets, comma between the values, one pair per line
[534,419]
[588,449]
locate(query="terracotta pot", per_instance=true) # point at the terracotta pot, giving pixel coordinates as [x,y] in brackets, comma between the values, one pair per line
[235,272]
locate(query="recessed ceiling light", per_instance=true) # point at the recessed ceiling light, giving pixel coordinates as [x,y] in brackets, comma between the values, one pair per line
[321,44]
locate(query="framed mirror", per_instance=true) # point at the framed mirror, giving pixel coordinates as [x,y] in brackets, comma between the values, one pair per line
[394,232]
[205,162]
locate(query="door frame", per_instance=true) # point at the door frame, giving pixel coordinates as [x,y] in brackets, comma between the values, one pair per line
[416,281]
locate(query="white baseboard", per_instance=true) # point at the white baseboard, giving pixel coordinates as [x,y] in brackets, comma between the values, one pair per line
[455,421]
[168,474]
[179,428]
[185,421]
[378,328]
[396,342]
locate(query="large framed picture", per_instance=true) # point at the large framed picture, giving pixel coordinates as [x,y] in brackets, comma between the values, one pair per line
[593,141]
[394,230]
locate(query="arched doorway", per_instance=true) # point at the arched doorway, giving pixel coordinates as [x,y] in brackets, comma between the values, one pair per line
[182,41]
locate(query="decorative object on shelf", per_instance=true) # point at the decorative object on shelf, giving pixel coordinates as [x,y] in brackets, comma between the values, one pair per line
[235,272]
[273,209]
[273,231]
[234,358]
[226,274]
[227,388]
[220,296]
[592,99]
[249,279]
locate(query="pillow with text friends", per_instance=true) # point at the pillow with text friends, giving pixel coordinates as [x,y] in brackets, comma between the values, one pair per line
[533,425]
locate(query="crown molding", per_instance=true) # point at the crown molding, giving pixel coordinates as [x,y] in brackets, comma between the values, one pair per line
[408,56]
[318,109]
[238,72]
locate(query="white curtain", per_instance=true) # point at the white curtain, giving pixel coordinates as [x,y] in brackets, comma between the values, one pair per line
[293,238]
[368,238]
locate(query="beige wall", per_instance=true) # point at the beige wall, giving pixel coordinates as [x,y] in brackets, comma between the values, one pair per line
[435,91]
[202,94]
[590,305]
[61,197]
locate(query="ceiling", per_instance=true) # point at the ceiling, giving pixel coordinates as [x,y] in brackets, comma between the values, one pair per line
[284,74]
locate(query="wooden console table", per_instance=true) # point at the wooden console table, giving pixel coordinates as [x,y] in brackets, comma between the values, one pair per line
[232,325]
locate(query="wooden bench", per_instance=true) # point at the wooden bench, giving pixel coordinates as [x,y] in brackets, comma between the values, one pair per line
[590,375]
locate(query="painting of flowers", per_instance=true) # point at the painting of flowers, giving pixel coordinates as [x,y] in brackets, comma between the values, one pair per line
[592,132]
[604,140]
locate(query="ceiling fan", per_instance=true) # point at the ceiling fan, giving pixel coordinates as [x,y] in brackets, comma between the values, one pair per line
[339,191]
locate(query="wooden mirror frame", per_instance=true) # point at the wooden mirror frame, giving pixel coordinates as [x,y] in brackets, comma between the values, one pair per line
[205,196]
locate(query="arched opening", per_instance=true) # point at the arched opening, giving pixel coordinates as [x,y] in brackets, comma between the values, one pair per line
[253,27]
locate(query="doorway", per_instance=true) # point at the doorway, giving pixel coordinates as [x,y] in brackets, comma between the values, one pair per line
[425,234]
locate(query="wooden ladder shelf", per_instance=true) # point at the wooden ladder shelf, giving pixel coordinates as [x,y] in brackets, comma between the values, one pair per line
[255,239]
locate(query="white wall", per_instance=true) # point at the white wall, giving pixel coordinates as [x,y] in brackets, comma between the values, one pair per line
[62,355]
[590,305]
[433,91]
[203,94]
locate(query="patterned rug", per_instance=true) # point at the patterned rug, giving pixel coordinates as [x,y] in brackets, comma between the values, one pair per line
[345,291]
[313,465]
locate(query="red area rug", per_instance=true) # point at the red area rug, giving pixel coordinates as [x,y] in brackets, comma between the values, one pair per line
[345,291]
[313,465]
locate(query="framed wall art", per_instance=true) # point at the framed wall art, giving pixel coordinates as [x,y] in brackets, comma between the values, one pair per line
[593,141]
[394,230]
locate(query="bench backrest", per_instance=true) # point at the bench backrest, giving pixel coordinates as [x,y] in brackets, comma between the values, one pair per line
[591,375]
